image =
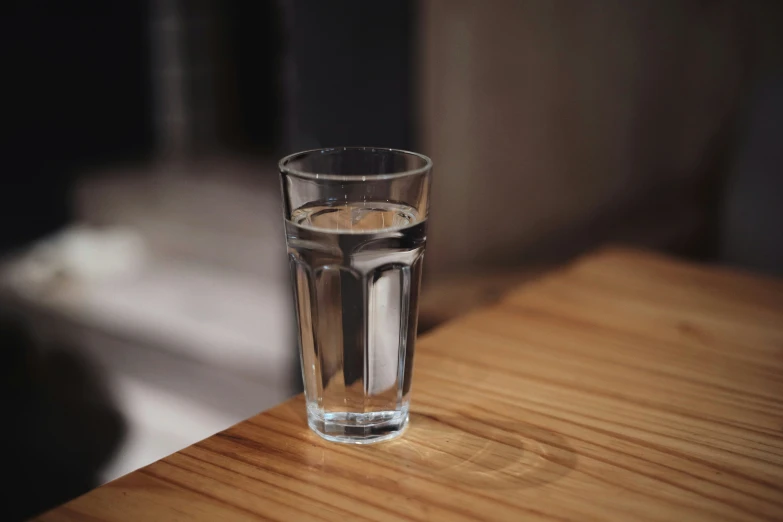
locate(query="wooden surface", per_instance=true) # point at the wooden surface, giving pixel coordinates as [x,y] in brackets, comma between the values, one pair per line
[625,387]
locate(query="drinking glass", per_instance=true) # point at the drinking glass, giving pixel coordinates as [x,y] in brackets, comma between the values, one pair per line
[355,222]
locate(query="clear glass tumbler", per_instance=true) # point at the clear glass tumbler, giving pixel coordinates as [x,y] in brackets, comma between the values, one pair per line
[355,222]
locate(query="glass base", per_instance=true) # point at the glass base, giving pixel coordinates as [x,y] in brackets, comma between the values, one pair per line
[358,428]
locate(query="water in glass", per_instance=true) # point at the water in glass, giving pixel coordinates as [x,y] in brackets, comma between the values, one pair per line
[356,268]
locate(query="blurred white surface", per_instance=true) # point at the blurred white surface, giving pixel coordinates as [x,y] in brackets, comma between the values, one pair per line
[226,319]
[79,252]
[177,288]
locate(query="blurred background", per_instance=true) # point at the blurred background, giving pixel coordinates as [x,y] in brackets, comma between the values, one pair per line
[144,298]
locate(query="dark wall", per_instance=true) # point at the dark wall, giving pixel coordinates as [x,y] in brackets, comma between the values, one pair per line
[348,73]
[76,92]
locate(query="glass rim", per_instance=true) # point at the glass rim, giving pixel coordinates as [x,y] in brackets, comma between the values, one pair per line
[283,165]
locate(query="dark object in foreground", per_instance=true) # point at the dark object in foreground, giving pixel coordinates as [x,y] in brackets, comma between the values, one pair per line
[59,427]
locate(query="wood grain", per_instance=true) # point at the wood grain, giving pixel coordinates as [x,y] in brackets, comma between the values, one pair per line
[625,387]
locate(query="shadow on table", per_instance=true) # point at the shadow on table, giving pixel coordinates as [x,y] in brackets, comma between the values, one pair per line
[59,426]
[486,453]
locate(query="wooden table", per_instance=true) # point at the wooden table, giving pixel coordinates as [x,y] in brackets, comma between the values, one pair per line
[625,387]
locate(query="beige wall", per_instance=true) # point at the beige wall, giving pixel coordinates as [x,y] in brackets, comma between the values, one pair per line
[557,124]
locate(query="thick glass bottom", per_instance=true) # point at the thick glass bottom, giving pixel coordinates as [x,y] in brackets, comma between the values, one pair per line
[358,428]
